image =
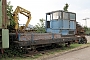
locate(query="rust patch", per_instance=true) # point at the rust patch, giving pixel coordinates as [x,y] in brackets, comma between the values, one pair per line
[4,13]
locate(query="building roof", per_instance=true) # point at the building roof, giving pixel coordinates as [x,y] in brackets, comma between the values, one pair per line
[58,11]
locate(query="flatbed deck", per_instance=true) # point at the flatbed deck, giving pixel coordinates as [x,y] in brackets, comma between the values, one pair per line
[27,39]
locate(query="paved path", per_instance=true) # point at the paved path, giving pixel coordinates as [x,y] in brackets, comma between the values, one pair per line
[83,54]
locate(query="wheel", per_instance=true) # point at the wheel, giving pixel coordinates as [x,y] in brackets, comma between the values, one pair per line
[82,40]
[67,44]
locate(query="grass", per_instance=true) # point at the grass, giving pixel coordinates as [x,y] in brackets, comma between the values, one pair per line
[87,31]
[52,51]
[65,48]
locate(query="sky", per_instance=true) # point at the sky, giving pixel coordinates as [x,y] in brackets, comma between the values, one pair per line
[39,8]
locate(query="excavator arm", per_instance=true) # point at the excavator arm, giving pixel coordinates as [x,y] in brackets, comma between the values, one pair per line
[16,18]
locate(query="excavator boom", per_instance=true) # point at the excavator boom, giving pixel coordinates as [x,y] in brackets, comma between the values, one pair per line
[21,11]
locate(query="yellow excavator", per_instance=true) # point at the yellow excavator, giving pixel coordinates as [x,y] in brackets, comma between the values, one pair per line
[16,18]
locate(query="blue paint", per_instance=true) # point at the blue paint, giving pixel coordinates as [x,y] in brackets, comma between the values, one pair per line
[65,24]
[49,30]
[72,25]
[19,36]
[55,31]
[61,25]
[56,24]
[64,32]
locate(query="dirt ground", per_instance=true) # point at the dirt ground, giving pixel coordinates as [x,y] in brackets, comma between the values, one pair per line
[53,56]
[83,54]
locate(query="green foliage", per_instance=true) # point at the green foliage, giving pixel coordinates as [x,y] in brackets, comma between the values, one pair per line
[40,27]
[14,51]
[86,28]
[66,7]
[49,52]
[11,24]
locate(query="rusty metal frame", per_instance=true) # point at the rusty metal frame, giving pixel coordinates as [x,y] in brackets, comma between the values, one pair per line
[4,14]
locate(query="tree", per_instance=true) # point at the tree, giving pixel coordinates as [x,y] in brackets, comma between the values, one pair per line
[66,7]
[11,23]
[40,27]
[86,28]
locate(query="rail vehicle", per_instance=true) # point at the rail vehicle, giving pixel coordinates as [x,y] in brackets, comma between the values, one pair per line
[61,28]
